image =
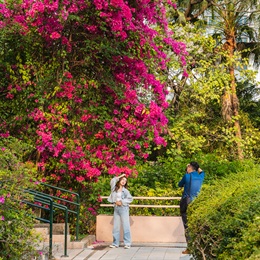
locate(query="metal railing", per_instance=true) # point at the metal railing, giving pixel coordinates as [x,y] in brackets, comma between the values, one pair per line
[50,220]
[45,199]
[145,205]
[48,200]
[77,203]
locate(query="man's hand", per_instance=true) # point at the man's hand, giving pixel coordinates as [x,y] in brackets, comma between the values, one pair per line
[199,170]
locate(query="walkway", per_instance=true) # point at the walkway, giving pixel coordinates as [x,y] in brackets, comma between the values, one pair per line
[136,252]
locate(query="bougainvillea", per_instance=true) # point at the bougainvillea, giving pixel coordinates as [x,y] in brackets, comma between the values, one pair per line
[83,81]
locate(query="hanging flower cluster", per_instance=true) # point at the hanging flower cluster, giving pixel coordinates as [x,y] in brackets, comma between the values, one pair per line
[91,72]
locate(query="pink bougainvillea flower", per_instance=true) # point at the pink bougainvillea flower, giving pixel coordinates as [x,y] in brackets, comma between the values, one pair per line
[137,146]
[55,35]
[2,199]
[80,178]
[5,135]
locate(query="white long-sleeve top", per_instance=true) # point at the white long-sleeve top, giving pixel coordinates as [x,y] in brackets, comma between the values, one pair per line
[126,197]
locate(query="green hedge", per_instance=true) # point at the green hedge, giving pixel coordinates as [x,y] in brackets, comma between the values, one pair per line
[224,221]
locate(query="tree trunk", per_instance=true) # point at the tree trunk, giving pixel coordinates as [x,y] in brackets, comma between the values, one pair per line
[235,110]
[230,102]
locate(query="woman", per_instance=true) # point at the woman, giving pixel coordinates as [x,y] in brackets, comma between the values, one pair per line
[121,198]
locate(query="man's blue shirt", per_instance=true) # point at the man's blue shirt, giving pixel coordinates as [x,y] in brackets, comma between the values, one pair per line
[196,182]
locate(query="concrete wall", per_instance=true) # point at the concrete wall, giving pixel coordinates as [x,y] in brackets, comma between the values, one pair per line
[144,229]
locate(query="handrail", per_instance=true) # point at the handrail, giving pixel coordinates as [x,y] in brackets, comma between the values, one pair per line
[71,202]
[146,206]
[152,198]
[143,206]
[42,199]
[50,221]
[54,197]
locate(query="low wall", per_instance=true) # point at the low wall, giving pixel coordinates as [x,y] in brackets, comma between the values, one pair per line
[144,229]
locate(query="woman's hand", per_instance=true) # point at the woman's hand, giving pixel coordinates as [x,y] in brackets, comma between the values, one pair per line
[119,203]
[122,175]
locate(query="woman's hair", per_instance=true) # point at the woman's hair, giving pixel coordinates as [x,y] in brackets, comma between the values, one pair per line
[118,184]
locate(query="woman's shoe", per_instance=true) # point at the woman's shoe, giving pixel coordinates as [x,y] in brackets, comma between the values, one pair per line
[127,247]
[186,252]
[113,246]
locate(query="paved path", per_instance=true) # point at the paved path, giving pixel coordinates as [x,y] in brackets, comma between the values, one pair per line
[136,252]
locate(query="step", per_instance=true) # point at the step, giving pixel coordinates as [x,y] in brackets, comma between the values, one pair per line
[75,250]
[57,228]
[58,240]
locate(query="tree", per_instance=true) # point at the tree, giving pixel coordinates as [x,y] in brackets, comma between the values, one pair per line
[195,122]
[230,15]
[230,22]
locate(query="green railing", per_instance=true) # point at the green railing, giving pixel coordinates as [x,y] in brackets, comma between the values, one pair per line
[77,203]
[49,200]
[43,199]
[50,220]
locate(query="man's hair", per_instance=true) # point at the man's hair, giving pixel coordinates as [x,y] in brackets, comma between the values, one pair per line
[194,165]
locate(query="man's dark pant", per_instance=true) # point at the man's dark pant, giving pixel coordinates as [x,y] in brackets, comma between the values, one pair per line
[183,210]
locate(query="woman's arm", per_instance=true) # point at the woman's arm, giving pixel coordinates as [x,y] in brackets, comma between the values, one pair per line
[127,199]
[114,181]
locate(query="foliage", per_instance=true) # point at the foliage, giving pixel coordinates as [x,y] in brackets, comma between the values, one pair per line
[17,240]
[228,24]
[81,81]
[195,121]
[248,95]
[224,219]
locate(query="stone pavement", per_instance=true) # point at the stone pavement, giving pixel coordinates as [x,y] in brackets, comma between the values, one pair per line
[136,252]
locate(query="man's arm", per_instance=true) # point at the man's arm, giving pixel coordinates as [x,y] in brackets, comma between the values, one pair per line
[201,173]
[182,182]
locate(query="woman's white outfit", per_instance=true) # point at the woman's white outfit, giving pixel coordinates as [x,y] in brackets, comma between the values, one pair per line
[121,213]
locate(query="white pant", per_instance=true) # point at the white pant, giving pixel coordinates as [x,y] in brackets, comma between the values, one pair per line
[121,215]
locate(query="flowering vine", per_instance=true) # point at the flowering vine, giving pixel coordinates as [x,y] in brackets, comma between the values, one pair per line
[90,73]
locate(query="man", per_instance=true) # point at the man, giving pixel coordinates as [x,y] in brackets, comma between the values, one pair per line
[191,182]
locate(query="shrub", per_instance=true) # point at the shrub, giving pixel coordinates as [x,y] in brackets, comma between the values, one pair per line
[224,219]
[17,240]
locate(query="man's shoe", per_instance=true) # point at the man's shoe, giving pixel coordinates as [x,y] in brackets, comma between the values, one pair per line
[127,247]
[186,252]
[113,246]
